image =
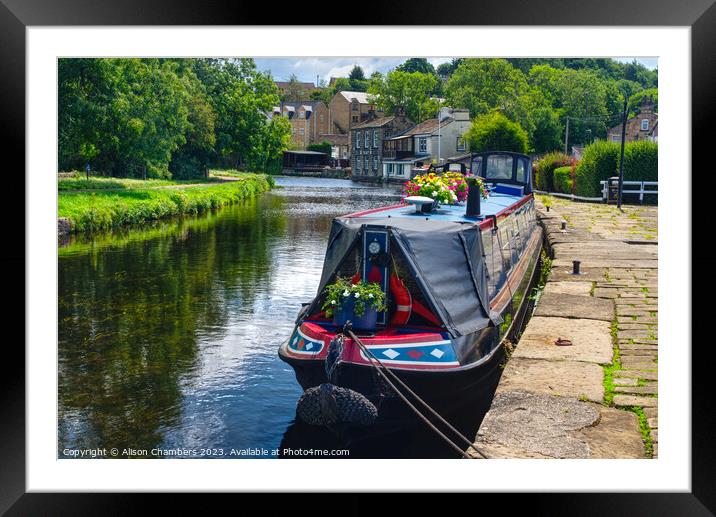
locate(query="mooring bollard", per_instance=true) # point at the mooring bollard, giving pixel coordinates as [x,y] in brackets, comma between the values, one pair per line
[547,207]
[575,267]
[564,225]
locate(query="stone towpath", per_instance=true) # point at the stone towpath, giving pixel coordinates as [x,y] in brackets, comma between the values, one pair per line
[598,397]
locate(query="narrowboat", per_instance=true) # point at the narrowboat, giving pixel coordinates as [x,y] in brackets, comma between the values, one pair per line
[456,283]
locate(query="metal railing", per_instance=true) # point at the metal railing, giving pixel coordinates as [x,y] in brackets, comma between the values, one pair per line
[641,190]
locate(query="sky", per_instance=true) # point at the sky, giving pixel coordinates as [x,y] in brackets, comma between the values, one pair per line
[307,68]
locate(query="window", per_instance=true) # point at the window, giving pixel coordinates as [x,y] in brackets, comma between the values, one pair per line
[375,138]
[423,145]
[615,138]
[301,114]
[367,164]
[521,170]
[320,117]
[355,118]
[357,139]
[499,167]
[476,166]
[357,160]
[302,131]
[389,168]
[375,163]
[645,124]
[367,139]
[461,143]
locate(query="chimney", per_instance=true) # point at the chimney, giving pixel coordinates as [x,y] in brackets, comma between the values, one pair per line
[399,111]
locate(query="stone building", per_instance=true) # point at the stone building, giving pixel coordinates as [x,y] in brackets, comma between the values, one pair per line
[366,141]
[348,109]
[640,127]
[426,143]
[309,120]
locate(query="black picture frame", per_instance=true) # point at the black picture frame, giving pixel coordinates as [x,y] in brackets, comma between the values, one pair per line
[700,15]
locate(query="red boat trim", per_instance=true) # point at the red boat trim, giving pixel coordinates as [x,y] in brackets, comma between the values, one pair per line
[375,210]
[488,222]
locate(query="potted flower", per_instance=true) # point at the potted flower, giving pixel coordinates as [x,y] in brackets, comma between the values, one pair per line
[448,188]
[360,303]
[481,183]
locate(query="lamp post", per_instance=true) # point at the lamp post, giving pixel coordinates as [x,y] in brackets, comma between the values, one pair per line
[621,160]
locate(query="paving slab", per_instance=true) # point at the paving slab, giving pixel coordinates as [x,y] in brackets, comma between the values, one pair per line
[559,274]
[635,400]
[616,436]
[591,340]
[574,288]
[571,306]
[638,374]
[525,425]
[565,378]
[623,263]
[537,423]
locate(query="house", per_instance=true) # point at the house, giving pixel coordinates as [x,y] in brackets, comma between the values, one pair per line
[367,144]
[309,120]
[639,127]
[348,109]
[339,145]
[431,141]
[283,87]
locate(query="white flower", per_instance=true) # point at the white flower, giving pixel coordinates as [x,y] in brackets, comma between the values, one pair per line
[370,296]
[434,193]
[333,302]
[346,293]
[357,295]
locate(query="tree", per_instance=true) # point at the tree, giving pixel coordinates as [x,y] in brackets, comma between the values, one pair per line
[445,70]
[547,135]
[324,147]
[635,100]
[484,85]
[495,132]
[356,74]
[417,64]
[294,90]
[410,91]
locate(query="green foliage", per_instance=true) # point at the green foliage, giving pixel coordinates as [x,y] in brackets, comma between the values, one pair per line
[495,132]
[601,161]
[547,134]
[324,147]
[103,209]
[641,161]
[165,117]
[484,85]
[563,180]
[79,182]
[362,294]
[409,90]
[634,102]
[544,169]
[417,64]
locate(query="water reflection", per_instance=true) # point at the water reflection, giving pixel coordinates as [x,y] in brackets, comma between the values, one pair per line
[168,334]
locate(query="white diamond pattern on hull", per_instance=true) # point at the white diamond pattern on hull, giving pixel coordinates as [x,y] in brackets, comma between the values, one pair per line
[309,345]
[437,353]
[390,353]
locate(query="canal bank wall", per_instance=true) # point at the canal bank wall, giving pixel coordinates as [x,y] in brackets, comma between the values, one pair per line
[341,174]
[594,395]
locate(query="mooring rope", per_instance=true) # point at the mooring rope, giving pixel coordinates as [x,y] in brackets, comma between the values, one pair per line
[381,367]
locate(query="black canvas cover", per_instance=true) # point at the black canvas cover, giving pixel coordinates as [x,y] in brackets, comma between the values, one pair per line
[445,257]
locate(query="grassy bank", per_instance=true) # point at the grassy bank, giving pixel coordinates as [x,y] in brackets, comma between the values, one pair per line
[105,183]
[103,208]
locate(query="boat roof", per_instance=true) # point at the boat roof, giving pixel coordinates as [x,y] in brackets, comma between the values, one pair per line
[496,203]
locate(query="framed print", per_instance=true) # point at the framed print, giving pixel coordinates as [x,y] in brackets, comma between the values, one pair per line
[196,290]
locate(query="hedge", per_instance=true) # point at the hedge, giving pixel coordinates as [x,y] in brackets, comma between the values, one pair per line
[563,179]
[544,169]
[601,161]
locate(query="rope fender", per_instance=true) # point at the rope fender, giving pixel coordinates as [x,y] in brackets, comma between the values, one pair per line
[328,404]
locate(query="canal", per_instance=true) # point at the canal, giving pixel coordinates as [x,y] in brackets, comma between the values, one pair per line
[168,334]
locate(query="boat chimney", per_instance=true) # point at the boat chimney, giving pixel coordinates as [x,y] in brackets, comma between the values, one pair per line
[473,198]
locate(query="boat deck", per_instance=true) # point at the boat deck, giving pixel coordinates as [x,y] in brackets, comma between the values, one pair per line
[494,204]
